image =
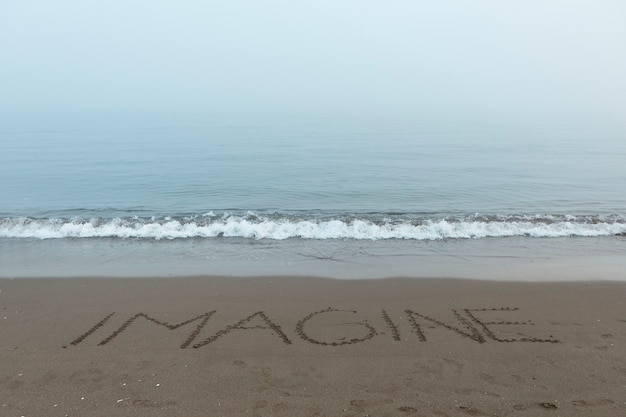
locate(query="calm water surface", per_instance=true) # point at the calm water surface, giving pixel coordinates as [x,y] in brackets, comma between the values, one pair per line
[313,198]
[172,171]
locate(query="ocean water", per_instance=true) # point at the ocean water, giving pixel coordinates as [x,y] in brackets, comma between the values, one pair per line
[215,196]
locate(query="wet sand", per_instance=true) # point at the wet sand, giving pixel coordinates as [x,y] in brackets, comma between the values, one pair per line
[270,346]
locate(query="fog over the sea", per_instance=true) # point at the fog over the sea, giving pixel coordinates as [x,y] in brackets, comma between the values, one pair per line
[485,61]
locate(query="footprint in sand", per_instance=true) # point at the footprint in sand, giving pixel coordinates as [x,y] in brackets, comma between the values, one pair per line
[488,378]
[259,405]
[548,406]
[592,403]
[280,407]
[472,411]
[473,391]
[358,405]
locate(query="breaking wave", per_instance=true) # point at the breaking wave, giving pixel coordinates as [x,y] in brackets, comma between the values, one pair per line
[282,226]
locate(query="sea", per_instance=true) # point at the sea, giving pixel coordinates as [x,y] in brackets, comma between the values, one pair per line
[328,198]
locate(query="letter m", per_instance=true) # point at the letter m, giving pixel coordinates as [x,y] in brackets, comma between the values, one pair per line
[201,322]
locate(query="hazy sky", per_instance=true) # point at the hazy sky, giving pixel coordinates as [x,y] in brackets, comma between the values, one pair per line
[445,60]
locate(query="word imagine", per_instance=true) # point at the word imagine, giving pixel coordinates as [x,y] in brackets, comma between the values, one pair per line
[468,325]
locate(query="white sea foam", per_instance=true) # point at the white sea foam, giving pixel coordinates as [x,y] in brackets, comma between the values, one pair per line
[279,228]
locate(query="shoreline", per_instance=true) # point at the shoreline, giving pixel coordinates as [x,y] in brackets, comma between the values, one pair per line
[532,280]
[510,259]
[289,346]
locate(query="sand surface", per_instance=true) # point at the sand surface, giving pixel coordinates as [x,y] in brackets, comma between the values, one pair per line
[211,346]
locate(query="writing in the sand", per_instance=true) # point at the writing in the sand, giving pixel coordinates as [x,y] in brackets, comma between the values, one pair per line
[471,324]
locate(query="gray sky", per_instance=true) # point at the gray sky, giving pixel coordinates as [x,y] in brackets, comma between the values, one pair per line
[531,61]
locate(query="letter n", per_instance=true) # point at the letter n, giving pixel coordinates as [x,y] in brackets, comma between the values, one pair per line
[471,332]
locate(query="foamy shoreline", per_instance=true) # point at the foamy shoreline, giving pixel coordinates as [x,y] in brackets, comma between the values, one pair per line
[308,226]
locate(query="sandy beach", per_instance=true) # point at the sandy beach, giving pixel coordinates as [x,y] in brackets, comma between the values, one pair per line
[312,209]
[285,346]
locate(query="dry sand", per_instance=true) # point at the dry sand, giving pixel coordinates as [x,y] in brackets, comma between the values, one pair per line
[211,346]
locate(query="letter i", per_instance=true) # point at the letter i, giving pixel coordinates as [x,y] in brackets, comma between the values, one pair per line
[90,331]
[394,329]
